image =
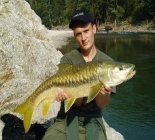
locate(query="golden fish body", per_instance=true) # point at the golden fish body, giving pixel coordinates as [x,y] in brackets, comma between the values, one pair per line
[76,81]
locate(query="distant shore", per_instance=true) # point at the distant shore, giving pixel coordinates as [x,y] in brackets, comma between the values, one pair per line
[119,29]
[129,29]
[60,37]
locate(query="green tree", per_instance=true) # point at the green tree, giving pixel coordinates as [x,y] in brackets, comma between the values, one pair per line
[115,11]
[59,12]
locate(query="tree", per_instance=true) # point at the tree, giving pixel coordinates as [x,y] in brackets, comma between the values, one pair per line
[115,11]
[59,12]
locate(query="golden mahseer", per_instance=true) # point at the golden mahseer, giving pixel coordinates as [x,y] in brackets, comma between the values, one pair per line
[85,80]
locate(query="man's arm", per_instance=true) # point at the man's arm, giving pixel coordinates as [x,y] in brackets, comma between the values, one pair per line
[103,97]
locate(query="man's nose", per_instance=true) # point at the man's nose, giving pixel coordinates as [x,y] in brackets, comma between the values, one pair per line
[83,36]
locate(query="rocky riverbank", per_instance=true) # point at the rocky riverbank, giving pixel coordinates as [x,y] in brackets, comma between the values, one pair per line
[146,28]
[128,28]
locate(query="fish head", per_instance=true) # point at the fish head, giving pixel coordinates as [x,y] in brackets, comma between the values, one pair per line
[114,73]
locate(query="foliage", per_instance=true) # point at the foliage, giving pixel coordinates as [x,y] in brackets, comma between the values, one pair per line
[59,12]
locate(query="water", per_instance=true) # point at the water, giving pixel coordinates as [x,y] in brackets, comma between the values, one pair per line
[132,110]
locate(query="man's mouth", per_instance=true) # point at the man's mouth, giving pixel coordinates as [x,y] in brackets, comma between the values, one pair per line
[85,43]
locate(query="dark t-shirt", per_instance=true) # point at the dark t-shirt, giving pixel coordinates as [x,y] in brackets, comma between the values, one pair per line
[75,57]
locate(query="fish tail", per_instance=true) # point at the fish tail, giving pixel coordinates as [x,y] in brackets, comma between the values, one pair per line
[28,119]
[28,114]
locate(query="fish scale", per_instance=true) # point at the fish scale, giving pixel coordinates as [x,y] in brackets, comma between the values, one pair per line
[74,76]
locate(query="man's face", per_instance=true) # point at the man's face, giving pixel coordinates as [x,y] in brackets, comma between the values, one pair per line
[84,34]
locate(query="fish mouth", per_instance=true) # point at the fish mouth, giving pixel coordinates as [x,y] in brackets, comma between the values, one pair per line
[131,73]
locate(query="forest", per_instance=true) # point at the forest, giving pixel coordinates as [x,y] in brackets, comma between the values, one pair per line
[116,12]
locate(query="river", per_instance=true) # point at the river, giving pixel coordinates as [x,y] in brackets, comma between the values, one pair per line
[132,110]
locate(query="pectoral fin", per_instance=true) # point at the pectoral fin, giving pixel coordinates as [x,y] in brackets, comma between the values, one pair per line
[94,91]
[46,105]
[68,103]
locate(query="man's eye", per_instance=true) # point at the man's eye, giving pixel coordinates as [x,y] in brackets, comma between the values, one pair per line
[86,31]
[77,35]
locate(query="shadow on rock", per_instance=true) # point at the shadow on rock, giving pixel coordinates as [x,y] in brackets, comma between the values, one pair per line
[14,129]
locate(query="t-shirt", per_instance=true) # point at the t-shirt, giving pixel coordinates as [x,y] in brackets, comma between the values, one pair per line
[75,57]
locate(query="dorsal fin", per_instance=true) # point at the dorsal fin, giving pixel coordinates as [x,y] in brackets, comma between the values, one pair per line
[63,66]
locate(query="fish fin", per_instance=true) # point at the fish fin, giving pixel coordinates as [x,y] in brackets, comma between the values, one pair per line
[28,114]
[46,105]
[63,66]
[68,103]
[21,108]
[94,91]
[28,119]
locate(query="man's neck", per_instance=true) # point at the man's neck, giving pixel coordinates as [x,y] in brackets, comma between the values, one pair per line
[88,55]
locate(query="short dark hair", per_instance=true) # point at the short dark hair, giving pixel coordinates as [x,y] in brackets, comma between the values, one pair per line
[82,15]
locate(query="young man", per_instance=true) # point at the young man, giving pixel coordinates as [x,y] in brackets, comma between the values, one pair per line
[83,120]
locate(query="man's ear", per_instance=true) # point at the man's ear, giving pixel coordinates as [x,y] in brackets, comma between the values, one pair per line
[94,28]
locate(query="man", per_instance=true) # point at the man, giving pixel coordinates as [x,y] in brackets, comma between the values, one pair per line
[83,120]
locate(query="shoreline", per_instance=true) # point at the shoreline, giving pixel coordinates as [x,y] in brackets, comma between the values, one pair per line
[60,37]
[129,29]
[63,35]
[65,32]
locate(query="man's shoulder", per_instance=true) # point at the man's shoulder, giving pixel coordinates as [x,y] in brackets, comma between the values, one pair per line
[103,57]
[72,57]
[71,53]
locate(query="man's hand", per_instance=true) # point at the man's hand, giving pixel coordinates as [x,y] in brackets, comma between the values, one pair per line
[105,90]
[61,95]
[103,97]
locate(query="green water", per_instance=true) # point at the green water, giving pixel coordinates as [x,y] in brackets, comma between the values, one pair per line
[132,110]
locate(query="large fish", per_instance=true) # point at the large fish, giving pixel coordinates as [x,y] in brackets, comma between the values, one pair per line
[77,81]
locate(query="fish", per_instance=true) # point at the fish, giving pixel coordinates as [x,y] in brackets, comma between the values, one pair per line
[85,80]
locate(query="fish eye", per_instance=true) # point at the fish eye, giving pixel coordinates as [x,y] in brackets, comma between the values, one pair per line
[119,68]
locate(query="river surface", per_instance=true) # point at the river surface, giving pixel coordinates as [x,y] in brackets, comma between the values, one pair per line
[132,110]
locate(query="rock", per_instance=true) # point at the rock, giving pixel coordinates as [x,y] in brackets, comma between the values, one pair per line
[152,27]
[108,28]
[112,134]
[28,56]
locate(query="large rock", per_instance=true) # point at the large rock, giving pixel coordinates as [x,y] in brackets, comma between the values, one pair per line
[28,56]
